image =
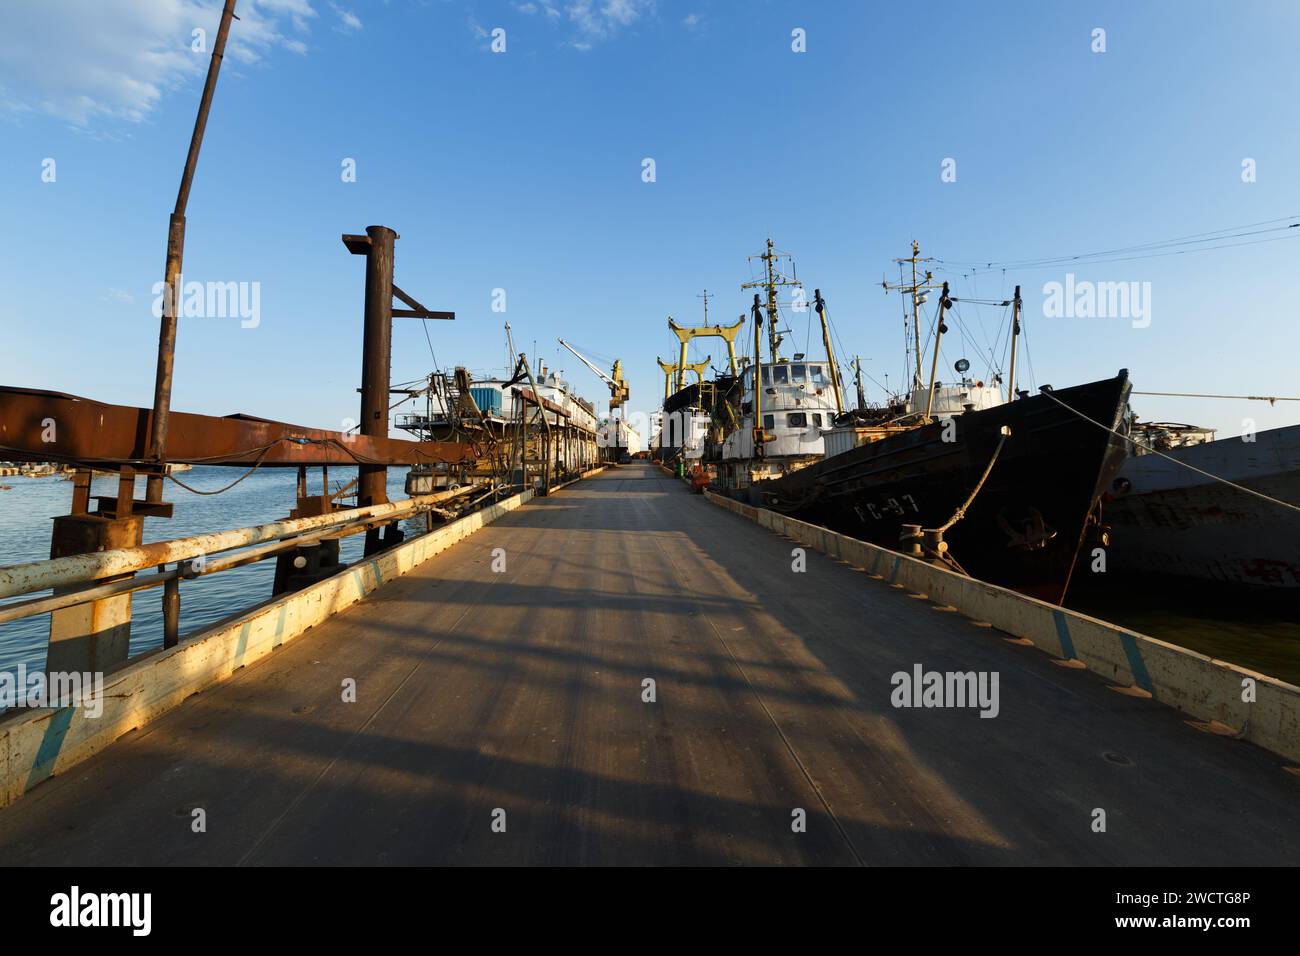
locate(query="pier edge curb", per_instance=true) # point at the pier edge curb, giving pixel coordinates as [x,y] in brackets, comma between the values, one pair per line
[39,743]
[1200,687]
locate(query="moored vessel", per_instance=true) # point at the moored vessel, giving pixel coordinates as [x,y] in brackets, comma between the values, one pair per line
[1008,494]
[1005,490]
[1171,517]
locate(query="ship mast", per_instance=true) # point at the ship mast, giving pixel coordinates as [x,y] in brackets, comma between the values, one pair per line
[1015,336]
[820,305]
[940,328]
[759,437]
[914,290]
[771,283]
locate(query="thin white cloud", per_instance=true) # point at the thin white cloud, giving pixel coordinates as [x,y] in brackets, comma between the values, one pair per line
[545,7]
[481,35]
[593,21]
[116,59]
[348,21]
[601,19]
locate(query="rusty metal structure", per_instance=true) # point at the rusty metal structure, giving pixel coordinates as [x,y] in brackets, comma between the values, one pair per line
[90,436]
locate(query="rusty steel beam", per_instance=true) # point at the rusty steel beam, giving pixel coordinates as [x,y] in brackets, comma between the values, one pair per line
[532,398]
[91,434]
[162,400]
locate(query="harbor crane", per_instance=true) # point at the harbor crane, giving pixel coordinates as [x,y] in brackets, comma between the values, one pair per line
[670,371]
[618,389]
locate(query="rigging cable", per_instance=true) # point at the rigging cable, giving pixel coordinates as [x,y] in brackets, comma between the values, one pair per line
[1153,451]
[256,465]
[1271,399]
[1193,239]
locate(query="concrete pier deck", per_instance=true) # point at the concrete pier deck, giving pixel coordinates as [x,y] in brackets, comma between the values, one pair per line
[521,690]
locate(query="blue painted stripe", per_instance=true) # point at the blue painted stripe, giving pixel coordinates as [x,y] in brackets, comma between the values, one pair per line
[1138,666]
[242,646]
[56,729]
[1063,632]
[361,584]
[898,563]
[279,626]
[379,575]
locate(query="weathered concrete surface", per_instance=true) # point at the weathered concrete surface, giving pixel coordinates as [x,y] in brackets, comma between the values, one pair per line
[522,690]
[1239,702]
[37,744]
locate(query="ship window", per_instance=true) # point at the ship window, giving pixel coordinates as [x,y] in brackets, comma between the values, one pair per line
[798,372]
[780,375]
[797,420]
[769,421]
[817,419]
[817,374]
[747,407]
[767,375]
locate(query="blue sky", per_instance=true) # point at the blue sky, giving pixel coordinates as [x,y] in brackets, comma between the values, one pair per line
[522,171]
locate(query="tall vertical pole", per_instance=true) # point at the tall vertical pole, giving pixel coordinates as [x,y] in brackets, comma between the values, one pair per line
[771,300]
[916,321]
[376,359]
[757,311]
[939,329]
[1015,337]
[820,305]
[162,393]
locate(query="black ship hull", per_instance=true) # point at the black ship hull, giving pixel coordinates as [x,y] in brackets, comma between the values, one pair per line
[1026,525]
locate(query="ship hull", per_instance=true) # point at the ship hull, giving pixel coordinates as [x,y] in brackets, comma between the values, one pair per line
[1169,520]
[1025,526]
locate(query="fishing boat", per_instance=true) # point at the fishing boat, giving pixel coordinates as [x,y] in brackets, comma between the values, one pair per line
[762,420]
[682,430]
[1007,489]
[1172,515]
[1008,494]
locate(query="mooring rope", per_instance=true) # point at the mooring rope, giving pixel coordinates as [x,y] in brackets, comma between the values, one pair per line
[961,512]
[1154,451]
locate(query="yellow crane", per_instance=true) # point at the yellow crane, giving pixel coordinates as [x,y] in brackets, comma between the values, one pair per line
[618,388]
[669,369]
[727,333]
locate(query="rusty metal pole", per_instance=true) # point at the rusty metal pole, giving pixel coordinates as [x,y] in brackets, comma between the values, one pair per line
[376,358]
[376,365]
[162,396]
[171,606]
